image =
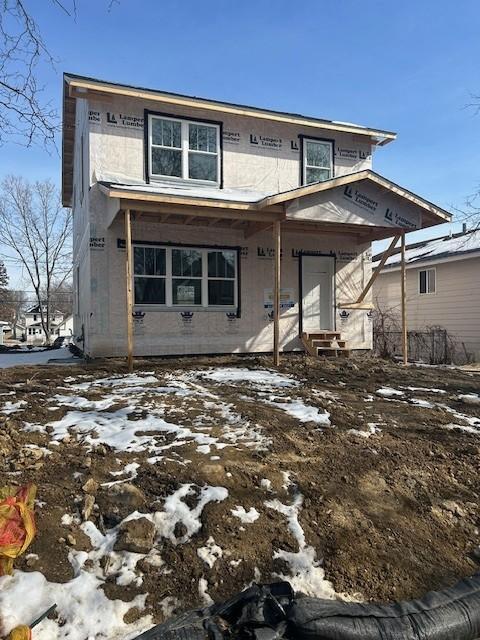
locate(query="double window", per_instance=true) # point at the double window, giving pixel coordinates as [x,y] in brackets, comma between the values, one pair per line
[184,150]
[427,281]
[185,277]
[317,160]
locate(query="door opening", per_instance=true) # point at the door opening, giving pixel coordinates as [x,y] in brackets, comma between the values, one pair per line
[318,293]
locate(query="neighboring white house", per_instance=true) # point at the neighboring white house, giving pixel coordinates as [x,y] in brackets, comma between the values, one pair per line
[65,327]
[34,333]
[4,328]
[442,288]
[242,229]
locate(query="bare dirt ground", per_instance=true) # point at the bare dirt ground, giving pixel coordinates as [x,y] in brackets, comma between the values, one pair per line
[386,496]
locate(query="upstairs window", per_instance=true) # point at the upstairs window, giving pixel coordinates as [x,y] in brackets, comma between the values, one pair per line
[184,150]
[427,281]
[317,160]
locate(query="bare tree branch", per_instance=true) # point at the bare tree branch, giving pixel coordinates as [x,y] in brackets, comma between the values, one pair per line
[25,117]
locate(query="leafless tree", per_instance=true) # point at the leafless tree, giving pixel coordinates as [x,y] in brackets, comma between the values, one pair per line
[36,229]
[61,296]
[25,117]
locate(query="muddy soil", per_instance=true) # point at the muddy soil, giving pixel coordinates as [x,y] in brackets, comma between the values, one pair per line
[391,515]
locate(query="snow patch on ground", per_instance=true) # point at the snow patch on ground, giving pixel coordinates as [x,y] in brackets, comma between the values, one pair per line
[210,553]
[259,378]
[306,575]
[13,407]
[81,604]
[176,510]
[247,517]
[389,392]
[422,403]
[470,398]
[425,389]
[372,429]
[301,411]
[35,357]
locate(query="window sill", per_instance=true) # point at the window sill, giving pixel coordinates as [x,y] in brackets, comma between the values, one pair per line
[182,182]
[181,309]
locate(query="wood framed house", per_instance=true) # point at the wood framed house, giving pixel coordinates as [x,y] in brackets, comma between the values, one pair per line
[205,227]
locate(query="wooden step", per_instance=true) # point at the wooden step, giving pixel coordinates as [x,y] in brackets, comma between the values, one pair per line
[328,343]
[325,343]
[323,335]
[332,351]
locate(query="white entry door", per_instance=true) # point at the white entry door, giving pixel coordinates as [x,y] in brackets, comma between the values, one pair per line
[318,293]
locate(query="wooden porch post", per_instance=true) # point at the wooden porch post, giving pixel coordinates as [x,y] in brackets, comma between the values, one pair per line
[276,294]
[404,304]
[129,309]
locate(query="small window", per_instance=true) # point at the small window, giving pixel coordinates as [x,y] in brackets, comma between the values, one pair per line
[184,150]
[427,281]
[317,161]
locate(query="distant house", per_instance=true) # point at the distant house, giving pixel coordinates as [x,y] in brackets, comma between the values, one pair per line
[442,288]
[34,333]
[4,327]
[65,328]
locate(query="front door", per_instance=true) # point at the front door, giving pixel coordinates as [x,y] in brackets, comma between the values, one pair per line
[317,293]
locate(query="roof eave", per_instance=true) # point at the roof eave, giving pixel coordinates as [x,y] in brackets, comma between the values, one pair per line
[80,86]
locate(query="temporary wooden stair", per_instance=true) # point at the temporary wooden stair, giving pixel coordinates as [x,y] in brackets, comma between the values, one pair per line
[325,343]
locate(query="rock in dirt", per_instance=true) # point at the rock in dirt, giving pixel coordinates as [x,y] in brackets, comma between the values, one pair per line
[118,501]
[90,486]
[135,535]
[88,505]
[454,508]
[79,541]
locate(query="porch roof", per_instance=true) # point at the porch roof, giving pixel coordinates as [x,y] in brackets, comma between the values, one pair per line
[383,209]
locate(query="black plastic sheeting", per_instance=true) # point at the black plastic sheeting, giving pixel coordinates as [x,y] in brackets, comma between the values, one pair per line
[271,612]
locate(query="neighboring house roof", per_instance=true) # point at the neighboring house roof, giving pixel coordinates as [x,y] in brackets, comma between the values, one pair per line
[76,86]
[462,244]
[36,309]
[255,201]
[65,321]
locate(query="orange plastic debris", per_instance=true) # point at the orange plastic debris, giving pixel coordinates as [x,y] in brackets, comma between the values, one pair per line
[20,633]
[17,524]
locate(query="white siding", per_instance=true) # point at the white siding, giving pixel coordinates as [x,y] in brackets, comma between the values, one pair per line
[455,306]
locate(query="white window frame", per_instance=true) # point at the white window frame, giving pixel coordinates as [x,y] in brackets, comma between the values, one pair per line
[184,149]
[328,143]
[427,292]
[169,277]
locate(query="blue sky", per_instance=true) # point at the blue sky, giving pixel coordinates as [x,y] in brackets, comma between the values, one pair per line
[409,66]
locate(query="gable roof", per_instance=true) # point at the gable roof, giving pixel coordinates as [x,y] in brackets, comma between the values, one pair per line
[36,309]
[461,244]
[76,86]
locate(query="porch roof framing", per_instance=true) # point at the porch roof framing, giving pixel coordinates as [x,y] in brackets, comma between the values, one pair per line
[270,208]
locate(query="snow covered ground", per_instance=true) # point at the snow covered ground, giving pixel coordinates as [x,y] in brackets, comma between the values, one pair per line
[210,425]
[33,357]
